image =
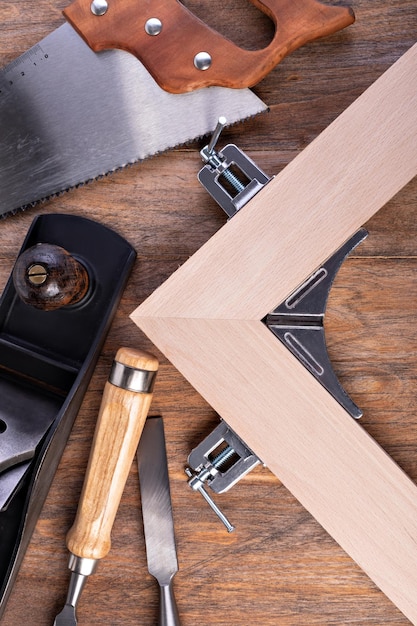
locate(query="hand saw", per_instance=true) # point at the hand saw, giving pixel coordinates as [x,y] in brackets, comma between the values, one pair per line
[122,80]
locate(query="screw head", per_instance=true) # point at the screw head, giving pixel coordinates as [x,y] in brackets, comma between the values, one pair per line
[202,61]
[99,7]
[153,26]
[37,274]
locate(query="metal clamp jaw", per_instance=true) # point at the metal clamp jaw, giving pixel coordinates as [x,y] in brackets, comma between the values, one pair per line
[222,459]
[219,462]
[230,176]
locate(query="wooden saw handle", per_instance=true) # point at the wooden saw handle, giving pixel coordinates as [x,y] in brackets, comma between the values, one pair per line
[169,55]
[121,419]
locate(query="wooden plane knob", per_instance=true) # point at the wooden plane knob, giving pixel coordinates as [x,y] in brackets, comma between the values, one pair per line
[47,277]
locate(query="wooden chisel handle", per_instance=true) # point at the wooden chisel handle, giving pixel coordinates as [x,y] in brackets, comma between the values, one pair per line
[126,400]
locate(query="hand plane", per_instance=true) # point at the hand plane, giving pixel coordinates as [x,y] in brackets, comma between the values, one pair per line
[55,312]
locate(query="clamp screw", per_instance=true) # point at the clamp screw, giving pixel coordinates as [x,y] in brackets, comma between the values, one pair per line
[209,151]
[196,483]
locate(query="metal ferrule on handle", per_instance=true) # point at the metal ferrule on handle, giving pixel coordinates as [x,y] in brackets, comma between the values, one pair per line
[132,379]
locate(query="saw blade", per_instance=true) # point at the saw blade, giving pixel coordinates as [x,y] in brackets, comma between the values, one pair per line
[69,115]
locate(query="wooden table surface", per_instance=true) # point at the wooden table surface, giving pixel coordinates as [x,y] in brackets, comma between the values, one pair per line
[279,566]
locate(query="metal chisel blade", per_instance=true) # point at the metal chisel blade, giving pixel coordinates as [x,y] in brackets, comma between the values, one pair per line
[66,617]
[69,115]
[156,502]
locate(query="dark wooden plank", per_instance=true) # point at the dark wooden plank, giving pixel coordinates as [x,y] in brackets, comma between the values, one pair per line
[279,566]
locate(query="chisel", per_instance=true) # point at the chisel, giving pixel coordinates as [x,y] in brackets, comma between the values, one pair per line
[158,522]
[126,400]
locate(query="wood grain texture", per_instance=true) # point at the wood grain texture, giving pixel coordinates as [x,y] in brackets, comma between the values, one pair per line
[280,566]
[169,56]
[207,319]
[305,213]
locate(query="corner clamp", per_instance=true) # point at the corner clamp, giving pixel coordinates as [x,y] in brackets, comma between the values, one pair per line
[222,458]
[229,175]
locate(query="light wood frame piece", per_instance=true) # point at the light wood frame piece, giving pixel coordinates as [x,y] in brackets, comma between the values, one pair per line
[206,319]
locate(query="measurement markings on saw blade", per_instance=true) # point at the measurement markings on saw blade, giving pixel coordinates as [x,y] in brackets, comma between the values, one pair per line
[20,67]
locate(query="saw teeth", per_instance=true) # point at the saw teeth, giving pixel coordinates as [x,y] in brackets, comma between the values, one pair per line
[31,205]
